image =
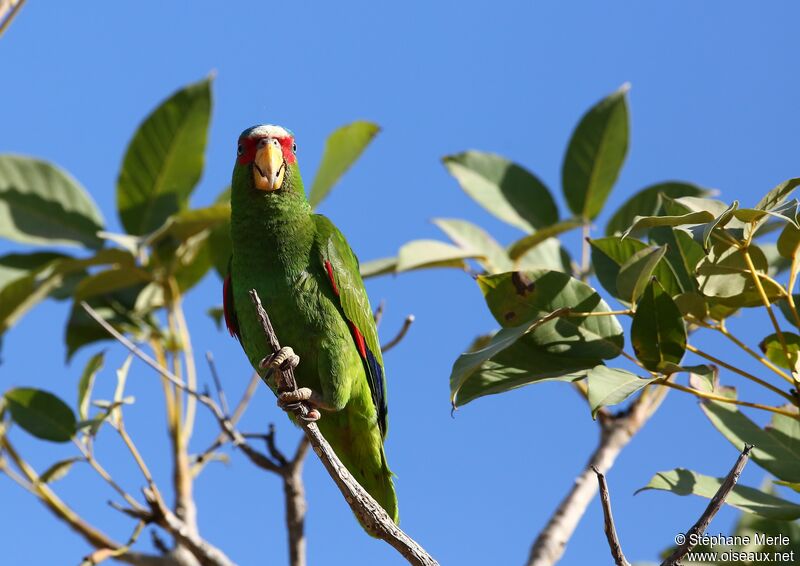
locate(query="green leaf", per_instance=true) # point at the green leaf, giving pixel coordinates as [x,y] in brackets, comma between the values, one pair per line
[595,155]
[379,266]
[164,160]
[724,275]
[110,280]
[777,447]
[86,384]
[14,266]
[704,377]
[504,189]
[217,314]
[719,222]
[647,203]
[610,254]
[610,386]
[686,482]
[550,254]
[342,148]
[777,195]
[643,223]
[219,239]
[58,470]
[42,204]
[683,254]
[116,307]
[188,223]
[507,362]
[40,413]
[658,334]
[523,245]
[419,254]
[470,237]
[772,348]
[789,242]
[635,273]
[522,296]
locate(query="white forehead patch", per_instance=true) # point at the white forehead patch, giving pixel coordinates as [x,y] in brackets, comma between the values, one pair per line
[268,130]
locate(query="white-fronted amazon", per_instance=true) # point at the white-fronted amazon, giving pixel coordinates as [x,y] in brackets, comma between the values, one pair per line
[308,279]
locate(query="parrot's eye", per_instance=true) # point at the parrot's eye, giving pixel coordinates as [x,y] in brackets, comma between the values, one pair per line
[240,149]
[294,148]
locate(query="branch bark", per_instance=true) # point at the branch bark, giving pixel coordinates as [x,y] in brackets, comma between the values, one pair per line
[615,434]
[371,515]
[609,527]
[692,534]
[714,505]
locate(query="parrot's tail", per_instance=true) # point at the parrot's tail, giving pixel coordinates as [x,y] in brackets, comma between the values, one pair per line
[359,445]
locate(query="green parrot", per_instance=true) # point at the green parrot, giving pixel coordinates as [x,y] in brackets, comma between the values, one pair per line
[308,280]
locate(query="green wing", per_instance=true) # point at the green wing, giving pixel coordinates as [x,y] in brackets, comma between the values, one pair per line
[341,265]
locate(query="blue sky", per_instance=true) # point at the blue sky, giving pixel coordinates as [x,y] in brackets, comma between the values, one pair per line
[713,101]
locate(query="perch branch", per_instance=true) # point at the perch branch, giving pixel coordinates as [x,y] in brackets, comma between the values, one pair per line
[375,520]
[610,529]
[714,505]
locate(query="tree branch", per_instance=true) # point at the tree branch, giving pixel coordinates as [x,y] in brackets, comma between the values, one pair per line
[615,434]
[713,507]
[371,515]
[610,529]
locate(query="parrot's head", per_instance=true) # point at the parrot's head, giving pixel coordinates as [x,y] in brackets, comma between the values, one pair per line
[265,158]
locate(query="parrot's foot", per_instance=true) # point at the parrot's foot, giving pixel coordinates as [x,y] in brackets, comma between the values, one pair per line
[290,400]
[283,359]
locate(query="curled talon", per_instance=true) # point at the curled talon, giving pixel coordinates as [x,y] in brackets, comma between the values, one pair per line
[312,416]
[282,359]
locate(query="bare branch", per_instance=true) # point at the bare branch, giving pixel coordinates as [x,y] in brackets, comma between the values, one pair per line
[615,434]
[378,314]
[713,507]
[371,515]
[223,400]
[8,10]
[400,334]
[610,529]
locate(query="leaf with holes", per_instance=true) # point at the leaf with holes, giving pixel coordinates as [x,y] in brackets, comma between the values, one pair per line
[521,296]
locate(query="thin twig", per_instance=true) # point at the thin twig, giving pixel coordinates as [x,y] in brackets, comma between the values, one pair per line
[400,334]
[8,11]
[609,527]
[615,433]
[713,507]
[371,515]
[223,399]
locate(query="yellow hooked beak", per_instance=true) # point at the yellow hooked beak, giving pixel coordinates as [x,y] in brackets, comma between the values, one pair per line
[269,166]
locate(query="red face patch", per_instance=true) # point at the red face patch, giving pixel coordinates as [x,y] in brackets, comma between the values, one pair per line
[249,144]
